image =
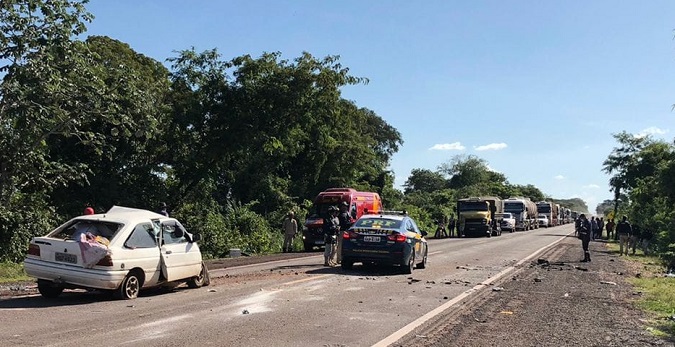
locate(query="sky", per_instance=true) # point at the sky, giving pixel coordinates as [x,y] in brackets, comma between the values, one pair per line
[536,88]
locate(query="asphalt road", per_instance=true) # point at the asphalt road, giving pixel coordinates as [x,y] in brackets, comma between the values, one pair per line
[294,302]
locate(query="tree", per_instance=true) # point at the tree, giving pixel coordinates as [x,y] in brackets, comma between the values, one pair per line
[425,181]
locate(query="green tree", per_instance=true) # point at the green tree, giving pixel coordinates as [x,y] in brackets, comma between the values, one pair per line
[424,180]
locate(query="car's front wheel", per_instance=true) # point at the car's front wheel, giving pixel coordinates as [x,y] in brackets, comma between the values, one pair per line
[49,289]
[201,280]
[130,287]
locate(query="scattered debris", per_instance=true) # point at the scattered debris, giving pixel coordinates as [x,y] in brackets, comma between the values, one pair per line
[620,273]
[131,306]
[421,336]
[413,279]
[212,290]
[541,261]
[445,298]
[506,312]
[638,275]
[581,268]
[537,279]
[360,302]
[431,282]
[498,289]
[637,293]
[608,282]
[466,268]
[245,312]
[480,320]
[566,295]
[611,260]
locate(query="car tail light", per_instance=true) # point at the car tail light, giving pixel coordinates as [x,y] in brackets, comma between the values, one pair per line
[34,249]
[106,261]
[398,238]
[349,235]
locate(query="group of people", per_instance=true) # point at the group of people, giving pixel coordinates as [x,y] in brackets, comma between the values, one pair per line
[630,236]
[336,221]
[452,227]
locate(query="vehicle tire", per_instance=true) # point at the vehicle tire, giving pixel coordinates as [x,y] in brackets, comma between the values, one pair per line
[308,247]
[130,287]
[49,289]
[347,264]
[408,268]
[201,280]
[423,264]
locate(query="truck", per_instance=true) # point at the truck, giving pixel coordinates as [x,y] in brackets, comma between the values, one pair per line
[479,216]
[550,210]
[359,203]
[524,212]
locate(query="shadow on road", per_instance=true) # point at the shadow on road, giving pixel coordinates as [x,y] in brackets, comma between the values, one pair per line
[78,297]
[361,270]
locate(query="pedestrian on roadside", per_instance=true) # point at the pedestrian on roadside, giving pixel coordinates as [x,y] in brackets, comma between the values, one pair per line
[331,227]
[647,236]
[440,229]
[585,236]
[451,225]
[601,227]
[635,237]
[594,228]
[624,230]
[345,223]
[610,228]
[577,226]
[163,209]
[290,227]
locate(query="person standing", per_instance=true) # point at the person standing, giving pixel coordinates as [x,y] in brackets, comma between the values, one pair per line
[601,227]
[635,237]
[585,230]
[624,230]
[451,225]
[290,227]
[331,227]
[594,228]
[440,229]
[647,236]
[610,228]
[163,209]
[345,223]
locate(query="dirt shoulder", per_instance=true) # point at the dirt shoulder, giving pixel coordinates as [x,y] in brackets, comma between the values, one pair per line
[557,302]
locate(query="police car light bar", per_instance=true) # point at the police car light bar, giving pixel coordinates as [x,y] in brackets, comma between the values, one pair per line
[402,213]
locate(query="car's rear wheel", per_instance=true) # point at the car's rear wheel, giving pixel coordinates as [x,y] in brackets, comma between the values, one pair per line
[201,280]
[130,287]
[423,264]
[408,268]
[49,289]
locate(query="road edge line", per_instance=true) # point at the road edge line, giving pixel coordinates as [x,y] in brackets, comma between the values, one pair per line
[397,335]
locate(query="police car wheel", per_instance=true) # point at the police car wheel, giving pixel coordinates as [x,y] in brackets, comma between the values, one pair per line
[423,264]
[408,268]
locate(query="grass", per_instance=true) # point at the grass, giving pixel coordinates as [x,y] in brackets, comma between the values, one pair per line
[12,272]
[658,291]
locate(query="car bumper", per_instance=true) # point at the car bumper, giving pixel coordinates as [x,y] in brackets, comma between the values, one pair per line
[75,276]
[376,256]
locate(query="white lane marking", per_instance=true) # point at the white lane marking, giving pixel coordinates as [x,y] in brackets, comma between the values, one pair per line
[397,335]
[432,253]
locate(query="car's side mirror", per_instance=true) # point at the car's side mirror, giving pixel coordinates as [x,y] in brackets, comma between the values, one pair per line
[196,237]
[424,233]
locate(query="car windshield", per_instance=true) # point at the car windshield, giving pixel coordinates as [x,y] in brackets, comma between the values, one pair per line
[506,216]
[472,206]
[544,208]
[378,223]
[514,207]
[78,227]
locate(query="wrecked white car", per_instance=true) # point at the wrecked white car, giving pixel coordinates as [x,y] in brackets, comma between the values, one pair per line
[123,250]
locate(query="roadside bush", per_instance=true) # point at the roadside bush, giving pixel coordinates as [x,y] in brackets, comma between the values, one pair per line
[18,225]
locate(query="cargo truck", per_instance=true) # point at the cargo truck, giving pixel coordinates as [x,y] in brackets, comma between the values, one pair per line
[479,216]
[524,212]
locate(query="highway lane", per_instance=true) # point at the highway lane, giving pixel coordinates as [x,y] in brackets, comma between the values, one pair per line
[286,303]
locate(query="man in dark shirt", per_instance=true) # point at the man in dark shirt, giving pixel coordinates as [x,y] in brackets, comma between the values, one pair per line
[585,236]
[635,237]
[345,223]
[624,230]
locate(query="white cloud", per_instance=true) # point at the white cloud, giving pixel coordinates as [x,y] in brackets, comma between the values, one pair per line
[593,186]
[455,146]
[492,146]
[652,131]
[559,177]
[492,169]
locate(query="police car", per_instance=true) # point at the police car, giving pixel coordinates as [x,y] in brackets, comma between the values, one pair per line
[389,237]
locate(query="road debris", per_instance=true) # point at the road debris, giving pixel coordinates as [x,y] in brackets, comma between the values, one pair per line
[498,289]
[245,312]
[608,282]
[537,279]
[506,312]
[581,268]
[212,290]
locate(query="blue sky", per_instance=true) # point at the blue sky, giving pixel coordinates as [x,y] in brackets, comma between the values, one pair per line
[536,88]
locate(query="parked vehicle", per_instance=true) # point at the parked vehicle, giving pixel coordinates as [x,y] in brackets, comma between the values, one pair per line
[479,216]
[508,221]
[359,202]
[123,250]
[550,210]
[543,220]
[524,212]
[391,238]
